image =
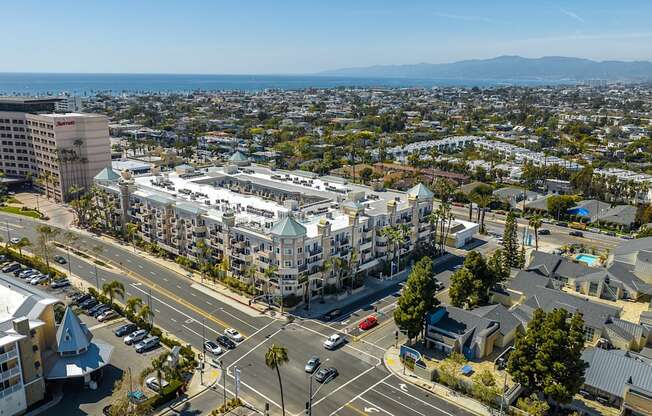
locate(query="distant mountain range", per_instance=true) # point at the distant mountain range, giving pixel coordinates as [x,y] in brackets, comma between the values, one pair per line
[547,68]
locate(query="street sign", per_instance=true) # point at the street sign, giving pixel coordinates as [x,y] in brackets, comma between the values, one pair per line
[237,382]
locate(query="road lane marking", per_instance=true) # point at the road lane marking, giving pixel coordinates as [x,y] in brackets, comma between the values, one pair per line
[345,345]
[377,409]
[350,406]
[140,266]
[344,385]
[173,320]
[361,394]
[209,303]
[258,345]
[417,399]
[217,321]
[178,287]
[156,310]
[191,294]
[395,401]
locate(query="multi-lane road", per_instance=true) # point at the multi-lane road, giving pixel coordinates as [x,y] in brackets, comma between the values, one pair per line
[193,313]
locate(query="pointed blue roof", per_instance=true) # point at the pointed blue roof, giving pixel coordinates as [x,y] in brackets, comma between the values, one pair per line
[72,336]
[107,174]
[238,156]
[420,191]
[288,227]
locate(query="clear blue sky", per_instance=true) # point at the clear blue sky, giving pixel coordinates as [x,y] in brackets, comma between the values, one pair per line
[288,36]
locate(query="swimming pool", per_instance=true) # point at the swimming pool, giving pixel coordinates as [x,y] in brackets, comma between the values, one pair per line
[589,259]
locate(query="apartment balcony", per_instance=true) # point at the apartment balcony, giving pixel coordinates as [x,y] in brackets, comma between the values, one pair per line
[12,372]
[8,355]
[11,390]
[366,244]
[315,252]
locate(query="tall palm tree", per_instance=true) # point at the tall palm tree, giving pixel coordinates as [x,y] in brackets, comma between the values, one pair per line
[22,243]
[146,314]
[131,230]
[133,304]
[433,220]
[535,222]
[112,289]
[46,235]
[270,272]
[159,365]
[275,357]
[483,201]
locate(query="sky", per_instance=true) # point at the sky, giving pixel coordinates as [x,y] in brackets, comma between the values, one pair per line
[300,37]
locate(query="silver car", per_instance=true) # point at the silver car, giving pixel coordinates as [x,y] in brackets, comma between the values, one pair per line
[135,336]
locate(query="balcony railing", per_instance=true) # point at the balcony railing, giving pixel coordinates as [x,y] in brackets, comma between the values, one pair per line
[8,355]
[11,390]
[12,372]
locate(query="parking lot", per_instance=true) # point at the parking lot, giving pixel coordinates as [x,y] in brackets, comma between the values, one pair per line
[79,400]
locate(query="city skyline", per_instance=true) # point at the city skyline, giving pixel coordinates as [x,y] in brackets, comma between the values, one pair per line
[298,38]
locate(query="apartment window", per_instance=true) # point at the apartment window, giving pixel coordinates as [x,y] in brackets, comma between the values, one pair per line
[288,251]
[300,250]
[287,263]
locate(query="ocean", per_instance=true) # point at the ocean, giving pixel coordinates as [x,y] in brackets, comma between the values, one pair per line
[91,84]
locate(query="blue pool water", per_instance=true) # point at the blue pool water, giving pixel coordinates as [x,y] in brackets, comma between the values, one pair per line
[589,259]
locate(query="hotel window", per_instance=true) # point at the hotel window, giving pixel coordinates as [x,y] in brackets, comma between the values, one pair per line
[287,263]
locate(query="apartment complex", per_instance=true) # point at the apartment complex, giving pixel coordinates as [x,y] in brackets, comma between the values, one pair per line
[58,151]
[256,218]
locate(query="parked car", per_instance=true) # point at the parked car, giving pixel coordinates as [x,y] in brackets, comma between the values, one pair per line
[233,334]
[80,298]
[544,231]
[333,342]
[561,224]
[38,279]
[97,307]
[332,315]
[368,323]
[152,383]
[326,374]
[11,267]
[60,283]
[23,273]
[135,336]
[225,342]
[313,363]
[14,240]
[147,344]
[107,315]
[89,303]
[576,233]
[125,329]
[60,259]
[212,347]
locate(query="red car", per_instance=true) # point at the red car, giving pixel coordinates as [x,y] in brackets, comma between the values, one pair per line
[368,323]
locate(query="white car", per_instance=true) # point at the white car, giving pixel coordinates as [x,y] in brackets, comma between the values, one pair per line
[333,341]
[135,336]
[233,334]
[108,315]
[38,279]
[212,347]
[152,383]
[15,240]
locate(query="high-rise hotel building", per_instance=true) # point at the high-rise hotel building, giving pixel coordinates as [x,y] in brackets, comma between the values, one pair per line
[57,151]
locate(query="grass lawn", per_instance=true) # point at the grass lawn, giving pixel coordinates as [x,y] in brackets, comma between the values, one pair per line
[17,210]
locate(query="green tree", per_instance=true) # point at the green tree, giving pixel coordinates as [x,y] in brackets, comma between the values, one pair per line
[133,304]
[21,244]
[535,222]
[159,364]
[146,314]
[510,242]
[558,205]
[113,289]
[462,287]
[275,357]
[496,264]
[547,358]
[46,235]
[417,300]
[131,229]
[533,406]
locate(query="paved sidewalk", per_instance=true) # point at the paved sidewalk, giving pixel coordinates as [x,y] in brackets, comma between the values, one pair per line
[393,363]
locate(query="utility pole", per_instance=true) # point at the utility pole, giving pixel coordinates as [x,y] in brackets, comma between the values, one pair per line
[223,381]
[97,279]
[310,397]
[203,357]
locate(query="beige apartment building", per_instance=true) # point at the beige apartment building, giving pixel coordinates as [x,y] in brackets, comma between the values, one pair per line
[56,151]
[287,233]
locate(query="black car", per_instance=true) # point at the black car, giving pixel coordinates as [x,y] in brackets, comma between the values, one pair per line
[225,341]
[99,311]
[60,259]
[78,300]
[326,374]
[89,303]
[125,330]
[332,315]
[544,231]
[576,233]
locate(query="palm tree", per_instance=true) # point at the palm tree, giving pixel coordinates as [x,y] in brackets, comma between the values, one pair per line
[112,289]
[483,201]
[159,364]
[535,222]
[275,357]
[45,236]
[269,272]
[131,229]
[146,314]
[433,220]
[133,304]
[22,243]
